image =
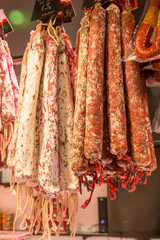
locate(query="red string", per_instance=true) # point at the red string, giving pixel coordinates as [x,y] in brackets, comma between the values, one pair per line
[128,178]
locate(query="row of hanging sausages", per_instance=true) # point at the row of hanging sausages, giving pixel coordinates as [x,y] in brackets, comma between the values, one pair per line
[42,142]
[111,119]
[78,115]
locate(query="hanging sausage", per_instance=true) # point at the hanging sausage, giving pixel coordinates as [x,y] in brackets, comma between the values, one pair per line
[79,163]
[40,155]
[9,91]
[143,47]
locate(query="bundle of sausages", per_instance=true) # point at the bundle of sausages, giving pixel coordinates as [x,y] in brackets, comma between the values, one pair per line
[42,142]
[9,91]
[145,49]
[112,137]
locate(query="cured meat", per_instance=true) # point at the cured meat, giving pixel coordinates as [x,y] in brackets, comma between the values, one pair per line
[25,148]
[76,61]
[48,170]
[79,163]
[93,147]
[115,85]
[144,49]
[11,156]
[68,180]
[107,156]
[42,145]
[12,74]
[7,96]
[71,59]
[14,82]
[136,95]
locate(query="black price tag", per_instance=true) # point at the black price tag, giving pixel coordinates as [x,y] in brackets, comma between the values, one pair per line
[87,4]
[68,12]
[59,18]
[66,15]
[6,27]
[106,3]
[45,8]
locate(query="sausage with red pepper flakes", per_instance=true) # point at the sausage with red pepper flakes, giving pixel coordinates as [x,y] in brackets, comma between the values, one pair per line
[79,162]
[93,148]
[115,84]
[144,49]
[135,94]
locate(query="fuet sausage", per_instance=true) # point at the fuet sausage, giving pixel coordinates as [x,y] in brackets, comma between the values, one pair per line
[48,170]
[25,148]
[68,180]
[11,156]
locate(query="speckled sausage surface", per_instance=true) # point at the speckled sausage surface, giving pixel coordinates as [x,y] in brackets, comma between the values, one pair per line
[115,84]
[68,180]
[48,167]
[11,156]
[25,148]
[79,162]
[93,148]
[136,95]
[7,95]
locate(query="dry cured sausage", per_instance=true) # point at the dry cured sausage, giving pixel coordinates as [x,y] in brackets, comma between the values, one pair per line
[115,85]
[12,75]
[11,156]
[79,163]
[68,180]
[76,61]
[135,94]
[71,59]
[93,147]
[7,95]
[48,170]
[144,49]
[25,147]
